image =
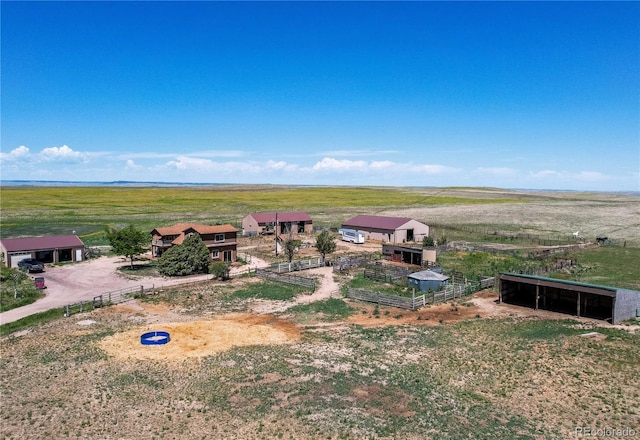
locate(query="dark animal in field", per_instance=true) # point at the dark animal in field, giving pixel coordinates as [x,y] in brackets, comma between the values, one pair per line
[602,240]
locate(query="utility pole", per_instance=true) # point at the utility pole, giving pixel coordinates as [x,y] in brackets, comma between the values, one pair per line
[276,234]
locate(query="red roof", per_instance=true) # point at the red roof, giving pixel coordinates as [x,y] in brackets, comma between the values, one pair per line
[375,222]
[270,217]
[180,228]
[41,243]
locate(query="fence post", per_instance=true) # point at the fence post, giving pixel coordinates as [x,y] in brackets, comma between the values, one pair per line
[81,304]
[66,313]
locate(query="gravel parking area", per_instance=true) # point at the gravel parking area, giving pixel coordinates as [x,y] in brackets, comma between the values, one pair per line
[72,283]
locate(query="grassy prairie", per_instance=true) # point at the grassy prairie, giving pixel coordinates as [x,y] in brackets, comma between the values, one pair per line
[89,210]
[500,377]
[482,378]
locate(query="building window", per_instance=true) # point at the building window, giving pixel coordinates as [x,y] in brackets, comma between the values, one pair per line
[215,254]
[219,237]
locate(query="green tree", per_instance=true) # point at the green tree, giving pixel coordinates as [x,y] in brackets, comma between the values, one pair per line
[325,243]
[290,246]
[128,242]
[190,257]
[428,241]
[220,270]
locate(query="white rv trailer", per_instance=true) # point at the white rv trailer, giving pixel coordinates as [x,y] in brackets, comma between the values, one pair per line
[351,235]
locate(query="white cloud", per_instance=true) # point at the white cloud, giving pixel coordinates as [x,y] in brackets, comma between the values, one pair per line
[590,176]
[375,167]
[382,164]
[331,164]
[584,176]
[63,153]
[131,165]
[19,153]
[186,162]
[280,166]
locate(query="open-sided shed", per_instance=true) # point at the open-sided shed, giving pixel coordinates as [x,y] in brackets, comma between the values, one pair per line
[579,299]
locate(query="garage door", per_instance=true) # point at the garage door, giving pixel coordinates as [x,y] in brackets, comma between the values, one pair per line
[15,258]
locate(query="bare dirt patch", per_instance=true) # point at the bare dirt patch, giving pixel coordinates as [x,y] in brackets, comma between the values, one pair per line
[197,339]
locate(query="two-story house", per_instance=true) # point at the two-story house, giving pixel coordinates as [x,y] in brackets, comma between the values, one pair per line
[221,240]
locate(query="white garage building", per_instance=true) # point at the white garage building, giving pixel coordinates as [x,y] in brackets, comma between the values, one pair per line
[388,229]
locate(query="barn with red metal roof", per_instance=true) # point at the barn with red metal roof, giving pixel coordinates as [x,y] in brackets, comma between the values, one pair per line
[296,222]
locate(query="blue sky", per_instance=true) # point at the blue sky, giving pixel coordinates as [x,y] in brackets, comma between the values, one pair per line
[541,95]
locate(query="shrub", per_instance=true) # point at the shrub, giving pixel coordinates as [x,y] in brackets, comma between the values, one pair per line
[190,257]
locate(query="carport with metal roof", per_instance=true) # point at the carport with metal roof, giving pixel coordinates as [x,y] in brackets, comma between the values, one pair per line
[579,299]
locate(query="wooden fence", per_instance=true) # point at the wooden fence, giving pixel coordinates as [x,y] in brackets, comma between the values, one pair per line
[108,298]
[390,275]
[415,302]
[296,265]
[401,302]
[344,264]
[308,283]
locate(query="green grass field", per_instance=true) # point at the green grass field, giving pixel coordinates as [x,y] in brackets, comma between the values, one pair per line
[89,210]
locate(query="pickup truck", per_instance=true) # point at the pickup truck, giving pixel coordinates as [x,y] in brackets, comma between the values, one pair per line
[31,265]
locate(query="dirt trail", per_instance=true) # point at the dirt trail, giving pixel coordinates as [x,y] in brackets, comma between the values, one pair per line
[325,290]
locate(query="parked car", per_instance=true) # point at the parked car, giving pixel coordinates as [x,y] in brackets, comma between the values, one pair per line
[31,265]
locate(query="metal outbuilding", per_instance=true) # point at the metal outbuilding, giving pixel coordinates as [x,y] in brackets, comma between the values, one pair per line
[611,304]
[388,229]
[427,279]
[297,222]
[47,249]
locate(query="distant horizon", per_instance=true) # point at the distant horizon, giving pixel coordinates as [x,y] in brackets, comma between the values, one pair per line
[35,183]
[426,94]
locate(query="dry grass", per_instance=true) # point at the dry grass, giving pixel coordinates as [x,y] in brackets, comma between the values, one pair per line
[472,370]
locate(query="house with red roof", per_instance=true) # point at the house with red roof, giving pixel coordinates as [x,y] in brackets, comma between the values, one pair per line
[284,223]
[388,229]
[221,240]
[46,249]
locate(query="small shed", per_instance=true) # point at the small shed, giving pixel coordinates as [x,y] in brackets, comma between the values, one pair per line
[427,279]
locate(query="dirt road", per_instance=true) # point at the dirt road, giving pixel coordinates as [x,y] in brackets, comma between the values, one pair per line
[73,283]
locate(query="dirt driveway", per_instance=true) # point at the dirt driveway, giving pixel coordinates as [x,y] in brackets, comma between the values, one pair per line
[72,283]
